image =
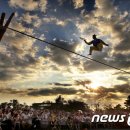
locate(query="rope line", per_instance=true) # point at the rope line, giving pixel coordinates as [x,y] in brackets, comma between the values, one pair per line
[67,50]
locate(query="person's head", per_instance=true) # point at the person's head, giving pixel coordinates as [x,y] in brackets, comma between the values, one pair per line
[94,36]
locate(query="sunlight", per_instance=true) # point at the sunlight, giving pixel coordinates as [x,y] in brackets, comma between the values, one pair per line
[95,85]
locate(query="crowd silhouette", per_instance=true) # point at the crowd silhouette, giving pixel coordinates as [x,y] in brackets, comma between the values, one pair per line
[16,116]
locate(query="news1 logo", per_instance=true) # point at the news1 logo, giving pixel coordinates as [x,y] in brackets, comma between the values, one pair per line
[110,118]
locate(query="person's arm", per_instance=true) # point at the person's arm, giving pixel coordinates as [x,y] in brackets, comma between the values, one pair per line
[104,43]
[89,43]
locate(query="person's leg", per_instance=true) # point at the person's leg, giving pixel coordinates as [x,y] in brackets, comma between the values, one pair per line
[93,48]
[100,46]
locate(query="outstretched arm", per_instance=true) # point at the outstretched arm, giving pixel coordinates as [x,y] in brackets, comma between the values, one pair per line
[104,43]
[88,43]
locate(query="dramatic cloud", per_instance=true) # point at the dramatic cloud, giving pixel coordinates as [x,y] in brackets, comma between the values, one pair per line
[76,83]
[29,5]
[54,91]
[60,56]
[18,53]
[123,78]
[5,75]
[83,83]
[55,20]
[60,84]
[111,93]
[105,8]
[24,4]
[124,88]
[78,3]
[43,5]
[32,19]
[12,91]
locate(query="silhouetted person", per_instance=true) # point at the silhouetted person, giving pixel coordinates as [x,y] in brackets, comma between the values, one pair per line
[97,44]
[2,26]
[36,125]
[7,125]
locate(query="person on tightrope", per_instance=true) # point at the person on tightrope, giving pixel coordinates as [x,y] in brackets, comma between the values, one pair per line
[97,44]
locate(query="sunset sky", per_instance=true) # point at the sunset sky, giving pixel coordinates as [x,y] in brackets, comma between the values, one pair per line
[32,71]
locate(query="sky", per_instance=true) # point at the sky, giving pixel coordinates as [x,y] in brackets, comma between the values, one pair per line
[32,71]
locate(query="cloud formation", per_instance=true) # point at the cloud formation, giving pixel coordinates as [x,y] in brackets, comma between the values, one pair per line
[78,3]
[60,84]
[31,19]
[60,56]
[54,91]
[29,5]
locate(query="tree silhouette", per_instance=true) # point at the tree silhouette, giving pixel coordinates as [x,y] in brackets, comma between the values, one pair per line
[118,107]
[59,100]
[108,107]
[76,105]
[127,102]
[15,102]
